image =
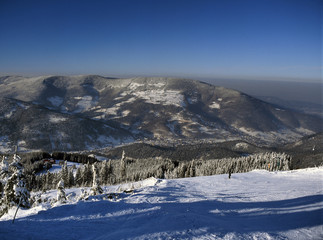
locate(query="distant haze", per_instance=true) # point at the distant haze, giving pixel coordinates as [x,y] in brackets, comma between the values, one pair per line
[310,92]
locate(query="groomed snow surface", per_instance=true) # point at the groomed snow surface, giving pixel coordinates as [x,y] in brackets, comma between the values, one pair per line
[254,205]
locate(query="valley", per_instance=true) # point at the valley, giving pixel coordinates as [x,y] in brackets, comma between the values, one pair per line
[83,113]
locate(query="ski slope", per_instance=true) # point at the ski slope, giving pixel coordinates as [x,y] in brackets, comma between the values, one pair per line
[254,205]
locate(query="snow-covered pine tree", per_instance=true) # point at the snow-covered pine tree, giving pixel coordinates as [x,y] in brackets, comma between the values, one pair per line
[123,174]
[20,187]
[38,183]
[96,188]
[78,177]
[70,177]
[4,174]
[84,195]
[47,181]
[4,168]
[105,171]
[61,196]
[192,169]
[64,173]
[15,191]
[56,177]
[111,176]
[87,175]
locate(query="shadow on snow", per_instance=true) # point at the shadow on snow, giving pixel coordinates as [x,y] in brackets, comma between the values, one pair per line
[116,220]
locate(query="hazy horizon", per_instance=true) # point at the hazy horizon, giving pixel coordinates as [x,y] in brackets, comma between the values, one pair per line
[292,90]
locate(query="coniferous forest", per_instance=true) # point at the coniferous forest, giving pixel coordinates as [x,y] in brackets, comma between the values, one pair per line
[17,181]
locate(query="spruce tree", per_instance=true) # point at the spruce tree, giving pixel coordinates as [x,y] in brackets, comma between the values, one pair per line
[104,172]
[4,168]
[87,175]
[4,174]
[15,191]
[70,177]
[47,181]
[64,174]
[78,177]
[111,176]
[96,188]
[123,173]
[61,196]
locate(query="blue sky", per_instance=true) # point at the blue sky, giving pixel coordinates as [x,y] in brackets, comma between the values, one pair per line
[265,39]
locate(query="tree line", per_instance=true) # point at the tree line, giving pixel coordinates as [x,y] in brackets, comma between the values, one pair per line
[33,161]
[127,170]
[15,184]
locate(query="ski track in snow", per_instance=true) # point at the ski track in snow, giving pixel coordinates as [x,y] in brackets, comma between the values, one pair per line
[254,205]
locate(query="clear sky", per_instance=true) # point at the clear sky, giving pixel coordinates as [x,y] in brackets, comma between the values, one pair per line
[217,38]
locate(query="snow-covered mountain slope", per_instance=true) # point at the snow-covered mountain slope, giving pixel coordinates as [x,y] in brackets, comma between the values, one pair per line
[35,127]
[254,205]
[154,108]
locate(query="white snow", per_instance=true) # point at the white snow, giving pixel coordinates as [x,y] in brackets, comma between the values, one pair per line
[134,85]
[85,103]
[254,205]
[113,110]
[56,119]
[5,144]
[108,111]
[57,167]
[304,131]
[192,100]
[9,114]
[161,96]
[158,85]
[99,157]
[206,130]
[22,145]
[215,105]
[241,145]
[125,113]
[157,95]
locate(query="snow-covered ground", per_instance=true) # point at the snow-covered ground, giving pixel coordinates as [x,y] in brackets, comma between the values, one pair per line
[254,205]
[56,167]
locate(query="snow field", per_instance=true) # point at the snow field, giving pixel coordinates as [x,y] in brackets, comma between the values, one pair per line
[254,205]
[56,167]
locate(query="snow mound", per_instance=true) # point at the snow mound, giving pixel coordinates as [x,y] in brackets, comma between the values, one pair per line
[138,185]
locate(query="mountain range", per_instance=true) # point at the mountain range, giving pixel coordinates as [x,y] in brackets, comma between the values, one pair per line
[73,113]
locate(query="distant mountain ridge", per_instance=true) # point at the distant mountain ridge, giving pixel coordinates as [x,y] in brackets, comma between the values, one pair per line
[87,112]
